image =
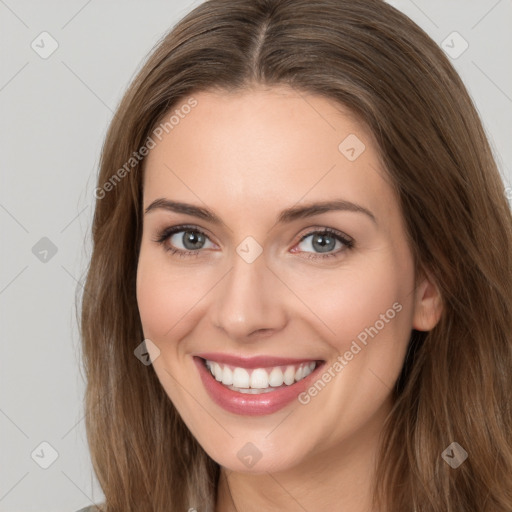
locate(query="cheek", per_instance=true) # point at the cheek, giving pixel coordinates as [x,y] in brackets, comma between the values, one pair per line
[169,296]
[369,315]
[371,301]
[159,296]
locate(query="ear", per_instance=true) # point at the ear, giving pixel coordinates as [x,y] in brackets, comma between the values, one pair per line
[427,304]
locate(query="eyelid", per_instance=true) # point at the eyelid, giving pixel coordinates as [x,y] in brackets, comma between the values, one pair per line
[166,232]
[324,229]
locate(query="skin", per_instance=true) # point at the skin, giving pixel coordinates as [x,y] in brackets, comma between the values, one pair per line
[247,156]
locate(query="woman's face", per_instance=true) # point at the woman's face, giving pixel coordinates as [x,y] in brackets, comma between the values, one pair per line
[263,279]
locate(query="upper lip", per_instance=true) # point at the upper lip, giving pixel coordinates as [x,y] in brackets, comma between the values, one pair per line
[262,361]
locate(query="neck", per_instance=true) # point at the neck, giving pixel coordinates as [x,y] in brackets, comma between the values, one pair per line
[335,479]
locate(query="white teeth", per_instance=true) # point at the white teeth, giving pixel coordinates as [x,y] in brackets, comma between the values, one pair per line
[276,378]
[289,375]
[241,378]
[227,376]
[250,391]
[259,380]
[217,371]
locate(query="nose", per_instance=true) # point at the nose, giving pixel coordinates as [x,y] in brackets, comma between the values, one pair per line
[249,302]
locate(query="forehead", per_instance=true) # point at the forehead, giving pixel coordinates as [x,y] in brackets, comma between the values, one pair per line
[256,149]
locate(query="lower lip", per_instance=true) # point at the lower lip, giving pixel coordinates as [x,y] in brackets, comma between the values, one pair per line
[252,405]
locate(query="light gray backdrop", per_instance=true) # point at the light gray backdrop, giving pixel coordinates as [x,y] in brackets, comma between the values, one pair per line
[64,67]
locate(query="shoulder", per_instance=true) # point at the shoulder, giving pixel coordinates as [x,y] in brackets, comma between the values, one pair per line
[91,508]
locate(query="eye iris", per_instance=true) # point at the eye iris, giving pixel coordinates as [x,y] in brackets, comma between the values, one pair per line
[322,245]
[192,237]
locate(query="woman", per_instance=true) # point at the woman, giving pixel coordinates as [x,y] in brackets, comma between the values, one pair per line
[299,292]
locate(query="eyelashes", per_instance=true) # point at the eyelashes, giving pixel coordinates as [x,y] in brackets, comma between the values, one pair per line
[165,234]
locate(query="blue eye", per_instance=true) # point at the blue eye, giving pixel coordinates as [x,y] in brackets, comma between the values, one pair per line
[193,240]
[190,240]
[325,240]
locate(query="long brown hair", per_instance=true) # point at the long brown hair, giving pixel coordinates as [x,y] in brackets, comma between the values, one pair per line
[455,384]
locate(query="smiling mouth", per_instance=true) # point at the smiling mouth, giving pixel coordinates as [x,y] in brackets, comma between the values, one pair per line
[259,380]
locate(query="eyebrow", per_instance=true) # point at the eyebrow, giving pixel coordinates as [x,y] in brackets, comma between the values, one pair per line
[287,215]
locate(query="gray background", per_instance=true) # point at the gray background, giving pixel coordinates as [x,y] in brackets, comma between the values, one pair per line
[55,112]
